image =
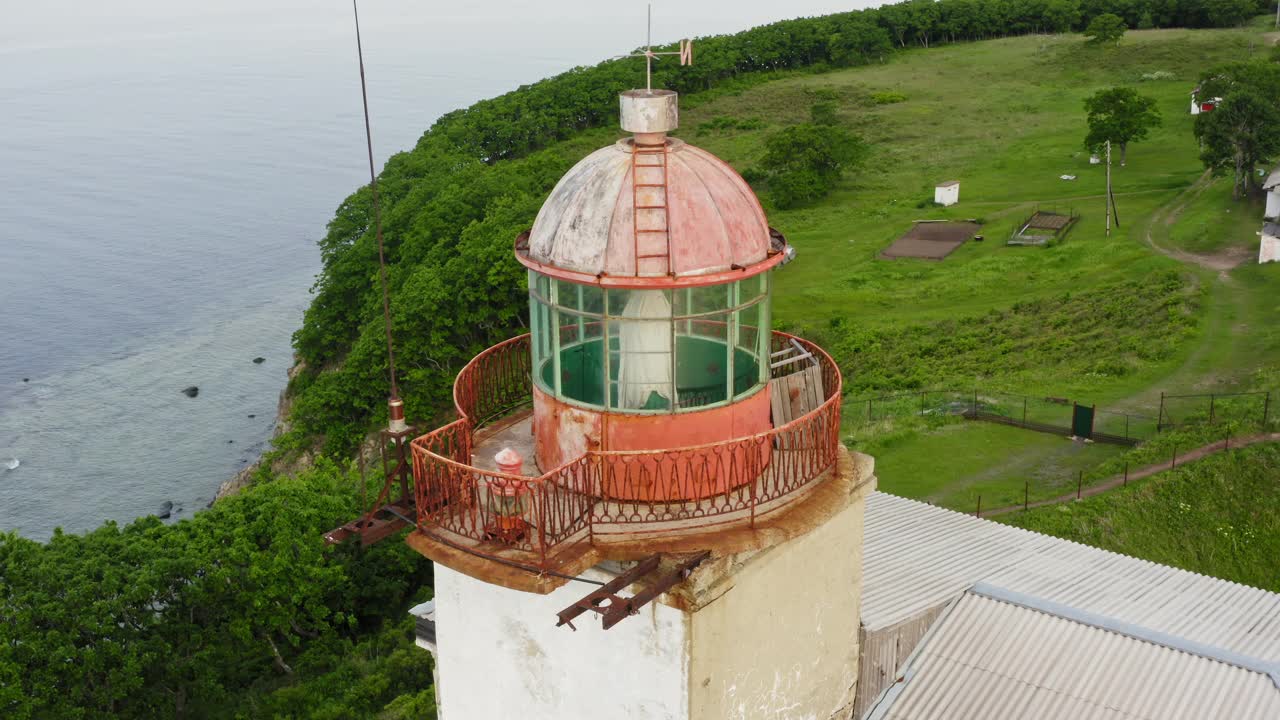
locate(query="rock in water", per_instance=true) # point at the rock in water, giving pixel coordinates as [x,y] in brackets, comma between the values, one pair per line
[191,391]
[259,360]
[11,464]
[166,509]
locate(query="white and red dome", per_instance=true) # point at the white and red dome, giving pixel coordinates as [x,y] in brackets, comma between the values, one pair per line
[696,216]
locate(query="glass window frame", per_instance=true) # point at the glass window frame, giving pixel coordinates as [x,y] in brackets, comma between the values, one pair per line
[550,306]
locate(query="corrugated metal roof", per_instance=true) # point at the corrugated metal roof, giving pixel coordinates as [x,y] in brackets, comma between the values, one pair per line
[987,658]
[917,556]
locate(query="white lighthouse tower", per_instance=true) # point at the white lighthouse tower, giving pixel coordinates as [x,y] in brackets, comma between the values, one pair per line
[643,509]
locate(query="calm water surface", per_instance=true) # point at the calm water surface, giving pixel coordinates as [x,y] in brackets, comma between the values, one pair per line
[165,171]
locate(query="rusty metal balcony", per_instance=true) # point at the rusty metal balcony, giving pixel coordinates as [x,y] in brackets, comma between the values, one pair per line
[606,504]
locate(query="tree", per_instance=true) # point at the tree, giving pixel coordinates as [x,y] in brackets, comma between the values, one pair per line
[1105,28]
[1243,131]
[803,163]
[1061,15]
[1120,115]
[1229,13]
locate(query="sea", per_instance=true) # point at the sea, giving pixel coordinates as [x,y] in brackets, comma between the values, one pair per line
[166,168]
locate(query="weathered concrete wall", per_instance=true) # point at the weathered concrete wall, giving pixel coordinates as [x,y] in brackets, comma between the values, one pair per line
[781,642]
[502,656]
[1269,249]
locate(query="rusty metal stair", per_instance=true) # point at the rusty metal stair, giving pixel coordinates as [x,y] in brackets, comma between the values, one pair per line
[651,221]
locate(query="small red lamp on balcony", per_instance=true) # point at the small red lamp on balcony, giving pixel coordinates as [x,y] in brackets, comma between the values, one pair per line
[507,500]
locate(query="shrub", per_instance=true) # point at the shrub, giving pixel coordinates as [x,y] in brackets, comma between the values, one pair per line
[887,97]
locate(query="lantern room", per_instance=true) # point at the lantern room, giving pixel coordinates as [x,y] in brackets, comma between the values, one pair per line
[651,398]
[649,290]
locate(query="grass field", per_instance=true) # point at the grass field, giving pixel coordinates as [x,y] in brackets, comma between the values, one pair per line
[1005,118]
[951,465]
[1219,516]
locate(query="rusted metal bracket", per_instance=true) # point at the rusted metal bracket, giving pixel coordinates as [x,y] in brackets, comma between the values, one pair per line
[388,516]
[615,608]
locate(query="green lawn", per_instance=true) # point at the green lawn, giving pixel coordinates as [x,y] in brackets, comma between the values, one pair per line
[952,464]
[1219,516]
[1005,118]
[1211,222]
[1095,318]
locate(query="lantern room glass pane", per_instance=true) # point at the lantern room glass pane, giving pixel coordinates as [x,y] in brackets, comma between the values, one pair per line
[702,361]
[648,350]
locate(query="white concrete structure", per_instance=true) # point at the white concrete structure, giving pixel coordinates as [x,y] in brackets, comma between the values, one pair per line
[769,633]
[947,193]
[1272,188]
[1269,248]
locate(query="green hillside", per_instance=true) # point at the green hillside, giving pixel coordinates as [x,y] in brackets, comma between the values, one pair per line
[1106,320]
[1219,516]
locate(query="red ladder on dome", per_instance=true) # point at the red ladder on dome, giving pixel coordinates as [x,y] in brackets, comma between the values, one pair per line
[651,223]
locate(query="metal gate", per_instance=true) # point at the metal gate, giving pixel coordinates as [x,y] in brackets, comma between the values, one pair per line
[1082,420]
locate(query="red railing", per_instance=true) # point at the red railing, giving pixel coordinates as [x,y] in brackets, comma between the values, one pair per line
[534,519]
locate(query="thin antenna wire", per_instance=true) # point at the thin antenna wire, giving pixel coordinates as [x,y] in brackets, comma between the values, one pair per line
[648,49]
[377,211]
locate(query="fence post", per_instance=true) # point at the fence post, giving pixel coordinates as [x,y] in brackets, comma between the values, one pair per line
[1126,472]
[1210,408]
[1026,492]
[1160,415]
[1024,410]
[1079,483]
[869,418]
[975,403]
[1266,408]
[978,513]
[1126,426]
[922,392]
[1174,462]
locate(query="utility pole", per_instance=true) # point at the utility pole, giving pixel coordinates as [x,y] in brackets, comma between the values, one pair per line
[1108,198]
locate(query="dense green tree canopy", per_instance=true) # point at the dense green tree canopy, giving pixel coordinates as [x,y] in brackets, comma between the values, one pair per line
[1105,29]
[802,163]
[1243,130]
[154,620]
[1121,116]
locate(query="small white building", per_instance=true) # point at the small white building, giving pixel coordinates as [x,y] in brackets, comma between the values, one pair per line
[1269,248]
[1272,188]
[1198,106]
[947,193]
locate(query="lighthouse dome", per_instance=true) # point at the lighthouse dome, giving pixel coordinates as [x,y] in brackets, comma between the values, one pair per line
[650,206]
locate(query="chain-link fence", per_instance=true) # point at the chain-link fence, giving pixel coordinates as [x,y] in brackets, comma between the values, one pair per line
[1246,409]
[1053,414]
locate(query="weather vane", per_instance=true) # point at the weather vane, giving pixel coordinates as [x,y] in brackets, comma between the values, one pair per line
[685,52]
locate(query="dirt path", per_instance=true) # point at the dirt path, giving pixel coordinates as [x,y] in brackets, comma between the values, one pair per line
[1166,216]
[1118,480]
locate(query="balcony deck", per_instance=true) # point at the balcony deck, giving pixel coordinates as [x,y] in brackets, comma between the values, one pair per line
[530,531]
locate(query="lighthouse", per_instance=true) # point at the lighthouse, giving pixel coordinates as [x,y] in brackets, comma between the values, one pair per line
[643,509]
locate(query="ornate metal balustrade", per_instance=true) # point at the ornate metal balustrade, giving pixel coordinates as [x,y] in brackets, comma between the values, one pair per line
[533,520]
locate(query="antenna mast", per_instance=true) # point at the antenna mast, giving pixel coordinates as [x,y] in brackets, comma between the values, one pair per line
[685,52]
[377,214]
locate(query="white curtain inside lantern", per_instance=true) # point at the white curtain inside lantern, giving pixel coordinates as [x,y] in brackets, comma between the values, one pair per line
[645,348]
